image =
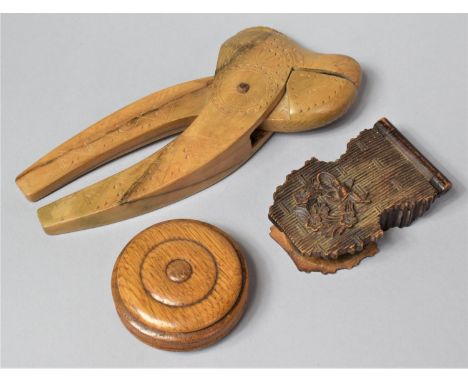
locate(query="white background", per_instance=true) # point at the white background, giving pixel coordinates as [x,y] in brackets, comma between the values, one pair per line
[404,307]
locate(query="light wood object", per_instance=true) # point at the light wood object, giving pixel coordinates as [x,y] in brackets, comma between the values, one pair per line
[264,83]
[180,285]
[328,215]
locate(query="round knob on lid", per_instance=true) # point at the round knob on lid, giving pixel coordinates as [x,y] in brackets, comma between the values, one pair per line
[180,285]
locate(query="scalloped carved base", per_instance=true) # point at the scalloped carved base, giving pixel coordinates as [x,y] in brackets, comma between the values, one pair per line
[318,264]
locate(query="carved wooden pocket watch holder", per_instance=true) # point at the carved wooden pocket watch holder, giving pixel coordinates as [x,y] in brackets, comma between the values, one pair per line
[328,215]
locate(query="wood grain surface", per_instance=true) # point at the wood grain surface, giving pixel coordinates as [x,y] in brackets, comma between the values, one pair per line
[264,82]
[330,211]
[180,285]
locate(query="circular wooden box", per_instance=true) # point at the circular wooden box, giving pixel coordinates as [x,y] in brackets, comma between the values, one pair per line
[180,285]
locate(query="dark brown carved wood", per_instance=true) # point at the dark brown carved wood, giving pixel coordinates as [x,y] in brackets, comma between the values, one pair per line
[328,215]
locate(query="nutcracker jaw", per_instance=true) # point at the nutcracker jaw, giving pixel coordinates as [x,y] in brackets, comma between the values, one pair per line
[264,83]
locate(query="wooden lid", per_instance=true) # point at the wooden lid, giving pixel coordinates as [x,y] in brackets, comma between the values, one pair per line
[180,285]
